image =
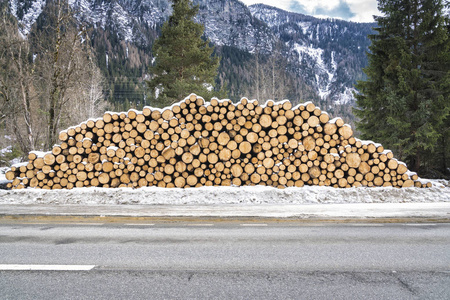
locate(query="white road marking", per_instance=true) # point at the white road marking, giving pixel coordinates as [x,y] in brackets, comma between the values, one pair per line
[137,224]
[46,267]
[200,224]
[366,225]
[420,224]
[253,225]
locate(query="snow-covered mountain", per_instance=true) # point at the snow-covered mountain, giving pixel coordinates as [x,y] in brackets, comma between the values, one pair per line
[230,23]
[328,55]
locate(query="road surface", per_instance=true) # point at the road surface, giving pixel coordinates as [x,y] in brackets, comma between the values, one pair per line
[225,260]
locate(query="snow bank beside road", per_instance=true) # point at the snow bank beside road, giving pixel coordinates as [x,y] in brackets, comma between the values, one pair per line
[225,195]
[2,173]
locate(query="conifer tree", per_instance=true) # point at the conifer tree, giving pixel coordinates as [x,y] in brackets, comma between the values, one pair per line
[184,61]
[404,103]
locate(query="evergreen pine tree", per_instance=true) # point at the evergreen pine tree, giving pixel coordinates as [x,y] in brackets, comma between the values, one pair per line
[404,103]
[184,61]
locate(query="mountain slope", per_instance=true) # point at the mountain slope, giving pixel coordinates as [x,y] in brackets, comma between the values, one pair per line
[230,23]
[330,54]
[314,58]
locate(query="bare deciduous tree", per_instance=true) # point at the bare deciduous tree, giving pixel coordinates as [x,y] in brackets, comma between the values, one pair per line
[61,62]
[16,89]
[87,99]
[270,79]
[48,79]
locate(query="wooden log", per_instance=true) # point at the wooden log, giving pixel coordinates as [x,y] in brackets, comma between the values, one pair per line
[339,173]
[187,157]
[369,177]
[107,167]
[392,164]
[167,153]
[223,139]
[93,158]
[312,155]
[213,158]
[342,182]
[63,136]
[265,120]
[225,154]
[313,121]
[378,181]
[252,137]
[364,168]
[38,163]
[10,175]
[245,147]
[371,148]
[56,150]
[191,180]
[103,178]
[268,162]
[330,128]
[180,182]
[408,183]
[314,172]
[309,143]
[324,117]
[401,169]
[353,160]
[236,170]
[346,132]
[255,178]
[32,156]
[81,176]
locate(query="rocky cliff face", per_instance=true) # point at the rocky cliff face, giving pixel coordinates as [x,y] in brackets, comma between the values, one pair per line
[230,23]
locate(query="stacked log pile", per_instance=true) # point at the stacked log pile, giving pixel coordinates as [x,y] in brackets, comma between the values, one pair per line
[194,144]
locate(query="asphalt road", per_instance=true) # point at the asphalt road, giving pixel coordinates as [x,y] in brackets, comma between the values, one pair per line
[225,261]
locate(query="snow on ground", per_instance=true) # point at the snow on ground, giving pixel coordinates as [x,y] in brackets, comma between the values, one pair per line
[226,195]
[2,173]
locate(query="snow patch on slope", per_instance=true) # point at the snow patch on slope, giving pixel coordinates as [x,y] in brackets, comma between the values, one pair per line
[323,74]
[345,97]
[304,26]
[30,14]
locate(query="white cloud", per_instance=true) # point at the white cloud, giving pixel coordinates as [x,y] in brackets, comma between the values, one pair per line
[363,10]
[312,5]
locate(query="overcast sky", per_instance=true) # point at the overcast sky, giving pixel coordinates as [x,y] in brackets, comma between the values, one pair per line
[350,10]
